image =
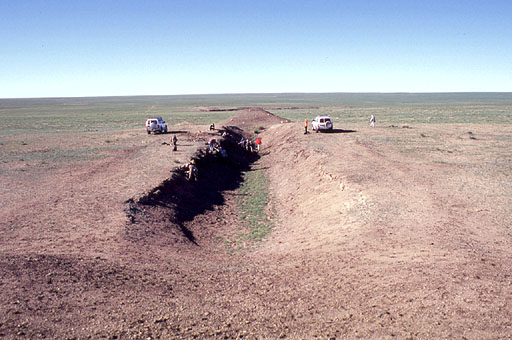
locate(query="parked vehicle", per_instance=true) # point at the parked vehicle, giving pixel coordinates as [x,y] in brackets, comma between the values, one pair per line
[156,124]
[322,123]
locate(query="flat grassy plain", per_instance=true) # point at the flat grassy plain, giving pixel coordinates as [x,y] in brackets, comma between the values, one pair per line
[50,115]
[48,131]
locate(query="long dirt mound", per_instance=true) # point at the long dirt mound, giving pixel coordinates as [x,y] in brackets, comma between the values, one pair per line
[251,119]
[386,237]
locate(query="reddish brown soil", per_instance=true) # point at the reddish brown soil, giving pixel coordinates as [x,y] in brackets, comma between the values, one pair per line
[253,119]
[382,233]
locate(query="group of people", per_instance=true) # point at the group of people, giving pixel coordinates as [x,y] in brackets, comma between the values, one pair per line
[213,146]
[192,171]
[250,145]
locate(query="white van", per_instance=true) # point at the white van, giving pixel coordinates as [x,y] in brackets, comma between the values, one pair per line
[156,124]
[322,123]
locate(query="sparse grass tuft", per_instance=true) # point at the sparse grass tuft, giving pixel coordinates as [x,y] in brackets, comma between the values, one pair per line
[253,208]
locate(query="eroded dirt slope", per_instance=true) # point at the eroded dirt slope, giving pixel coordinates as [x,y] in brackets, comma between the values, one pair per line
[394,237]
[384,233]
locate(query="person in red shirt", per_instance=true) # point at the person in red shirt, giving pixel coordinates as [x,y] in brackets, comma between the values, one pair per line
[258,143]
[306,127]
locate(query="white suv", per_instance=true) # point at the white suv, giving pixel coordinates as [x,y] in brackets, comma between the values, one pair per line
[156,124]
[322,123]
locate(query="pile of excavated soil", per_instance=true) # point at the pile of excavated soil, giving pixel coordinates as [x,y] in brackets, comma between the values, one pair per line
[385,241]
[253,119]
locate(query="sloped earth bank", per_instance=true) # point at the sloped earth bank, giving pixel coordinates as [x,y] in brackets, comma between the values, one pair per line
[382,233]
[383,240]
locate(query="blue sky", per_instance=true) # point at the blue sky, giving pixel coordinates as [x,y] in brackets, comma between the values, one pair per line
[101,47]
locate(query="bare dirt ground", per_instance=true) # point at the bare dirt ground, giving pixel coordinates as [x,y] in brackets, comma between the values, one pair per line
[384,233]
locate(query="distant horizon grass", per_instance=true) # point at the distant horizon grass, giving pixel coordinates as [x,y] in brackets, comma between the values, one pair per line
[50,115]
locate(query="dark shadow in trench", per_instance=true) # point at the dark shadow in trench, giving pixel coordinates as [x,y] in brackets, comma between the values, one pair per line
[184,199]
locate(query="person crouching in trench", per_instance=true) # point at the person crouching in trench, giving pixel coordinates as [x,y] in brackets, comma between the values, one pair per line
[192,171]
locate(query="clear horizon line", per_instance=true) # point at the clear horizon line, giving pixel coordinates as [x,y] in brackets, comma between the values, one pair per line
[256,93]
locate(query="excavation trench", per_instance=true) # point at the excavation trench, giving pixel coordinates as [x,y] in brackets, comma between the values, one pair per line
[162,214]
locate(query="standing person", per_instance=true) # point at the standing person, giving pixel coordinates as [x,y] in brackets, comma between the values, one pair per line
[175,143]
[258,143]
[306,127]
[212,126]
[372,121]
